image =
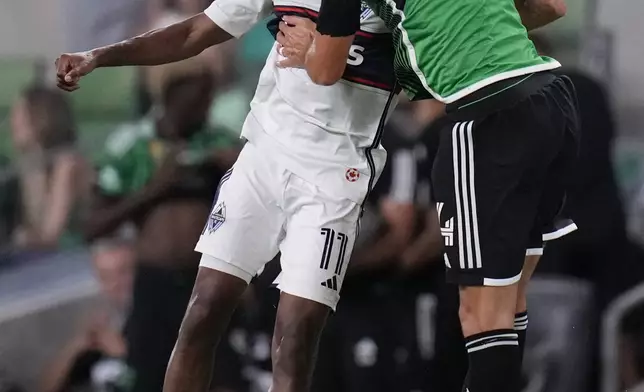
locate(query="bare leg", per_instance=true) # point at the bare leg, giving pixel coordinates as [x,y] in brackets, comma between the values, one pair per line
[521,312]
[214,299]
[487,308]
[529,266]
[487,317]
[295,342]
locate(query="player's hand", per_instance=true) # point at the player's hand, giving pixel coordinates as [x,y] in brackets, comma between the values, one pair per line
[71,67]
[294,40]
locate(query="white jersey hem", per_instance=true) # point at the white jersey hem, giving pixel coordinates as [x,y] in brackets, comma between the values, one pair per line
[497,78]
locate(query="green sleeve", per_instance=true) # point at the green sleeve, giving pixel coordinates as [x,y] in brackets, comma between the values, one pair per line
[127,164]
[124,171]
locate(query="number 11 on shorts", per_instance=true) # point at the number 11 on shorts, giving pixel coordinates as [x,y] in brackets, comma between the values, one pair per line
[330,236]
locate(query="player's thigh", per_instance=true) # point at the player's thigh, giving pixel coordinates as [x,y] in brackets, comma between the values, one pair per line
[551,222]
[320,235]
[486,202]
[245,224]
[552,219]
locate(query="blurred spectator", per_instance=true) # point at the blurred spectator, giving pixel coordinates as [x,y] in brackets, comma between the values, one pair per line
[428,244]
[225,144]
[94,359]
[223,118]
[162,179]
[53,176]
[593,199]
[423,260]
[599,251]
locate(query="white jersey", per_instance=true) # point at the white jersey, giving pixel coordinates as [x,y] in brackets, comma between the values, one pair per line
[327,135]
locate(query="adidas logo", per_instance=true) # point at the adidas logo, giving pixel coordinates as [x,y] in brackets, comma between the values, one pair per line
[365,11]
[331,283]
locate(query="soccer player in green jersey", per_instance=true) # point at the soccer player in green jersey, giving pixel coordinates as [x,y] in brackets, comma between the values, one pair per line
[500,172]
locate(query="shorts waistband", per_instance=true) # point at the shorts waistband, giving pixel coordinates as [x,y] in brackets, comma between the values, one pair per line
[498,96]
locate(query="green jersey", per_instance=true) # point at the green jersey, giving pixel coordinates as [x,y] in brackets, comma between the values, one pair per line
[133,153]
[447,49]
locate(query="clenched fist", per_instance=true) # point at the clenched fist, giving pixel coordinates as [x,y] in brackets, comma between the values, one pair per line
[294,40]
[70,67]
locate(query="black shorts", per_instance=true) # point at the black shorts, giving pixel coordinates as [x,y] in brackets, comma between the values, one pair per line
[499,181]
[159,301]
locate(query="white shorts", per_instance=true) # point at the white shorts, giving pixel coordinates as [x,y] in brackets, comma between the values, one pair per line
[262,208]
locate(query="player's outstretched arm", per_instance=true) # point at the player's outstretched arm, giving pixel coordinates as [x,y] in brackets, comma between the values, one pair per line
[338,21]
[173,43]
[166,45]
[538,13]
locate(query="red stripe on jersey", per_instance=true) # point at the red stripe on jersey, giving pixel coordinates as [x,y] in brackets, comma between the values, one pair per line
[364,34]
[313,14]
[367,82]
[296,9]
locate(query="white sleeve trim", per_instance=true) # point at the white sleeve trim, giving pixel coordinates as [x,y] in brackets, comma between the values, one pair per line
[236,17]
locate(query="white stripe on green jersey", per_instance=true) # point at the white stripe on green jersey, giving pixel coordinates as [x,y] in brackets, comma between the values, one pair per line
[447,49]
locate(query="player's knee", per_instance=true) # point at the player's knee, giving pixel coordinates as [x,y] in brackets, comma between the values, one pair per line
[485,309]
[300,325]
[201,308]
[297,331]
[474,320]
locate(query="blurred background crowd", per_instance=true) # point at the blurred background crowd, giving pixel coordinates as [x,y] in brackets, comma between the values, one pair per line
[97,225]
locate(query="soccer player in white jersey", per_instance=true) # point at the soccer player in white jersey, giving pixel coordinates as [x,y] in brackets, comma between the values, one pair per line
[312,156]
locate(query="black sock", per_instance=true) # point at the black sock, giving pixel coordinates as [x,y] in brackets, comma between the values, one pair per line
[521,328]
[494,362]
